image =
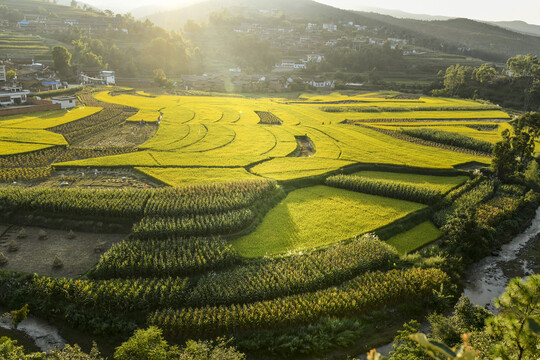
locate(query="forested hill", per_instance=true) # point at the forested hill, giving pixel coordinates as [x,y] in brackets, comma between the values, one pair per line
[456,36]
[293,9]
[486,41]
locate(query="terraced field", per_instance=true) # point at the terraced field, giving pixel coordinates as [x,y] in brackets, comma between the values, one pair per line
[271,214]
[217,132]
[318,216]
[22,134]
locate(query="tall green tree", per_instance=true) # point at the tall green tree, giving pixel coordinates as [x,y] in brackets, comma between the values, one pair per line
[62,60]
[519,304]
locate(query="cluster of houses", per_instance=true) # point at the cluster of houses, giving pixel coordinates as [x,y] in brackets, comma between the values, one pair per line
[237,82]
[32,77]
[42,24]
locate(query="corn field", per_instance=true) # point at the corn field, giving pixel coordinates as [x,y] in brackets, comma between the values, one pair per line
[386,188]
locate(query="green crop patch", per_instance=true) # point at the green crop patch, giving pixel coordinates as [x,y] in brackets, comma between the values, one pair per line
[319,216]
[415,238]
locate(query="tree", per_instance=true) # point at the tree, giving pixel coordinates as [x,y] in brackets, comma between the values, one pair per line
[62,59]
[527,67]
[11,74]
[514,152]
[18,316]
[73,3]
[519,304]
[160,78]
[146,345]
[484,73]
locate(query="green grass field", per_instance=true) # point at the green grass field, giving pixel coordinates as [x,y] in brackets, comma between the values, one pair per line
[414,239]
[318,216]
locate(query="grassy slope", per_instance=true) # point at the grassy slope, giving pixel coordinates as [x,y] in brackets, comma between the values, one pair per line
[415,238]
[319,216]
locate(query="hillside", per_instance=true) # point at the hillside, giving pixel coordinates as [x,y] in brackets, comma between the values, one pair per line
[486,41]
[458,36]
[519,26]
[305,9]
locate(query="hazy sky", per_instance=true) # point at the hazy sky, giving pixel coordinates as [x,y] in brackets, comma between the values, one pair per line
[526,10]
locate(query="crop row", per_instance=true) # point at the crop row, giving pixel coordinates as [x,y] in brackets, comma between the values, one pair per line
[119,203]
[376,109]
[131,203]
[386,188]
[113,296]
[415,140]
[365,292]
[274,278]
[450,138]
[207,198]
[268,118]
[79,129]
[164,258]
[196,225]
[468,201]
[8,175]
[57,154]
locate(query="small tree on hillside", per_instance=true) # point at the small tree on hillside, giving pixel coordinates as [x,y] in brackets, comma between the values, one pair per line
[160,78]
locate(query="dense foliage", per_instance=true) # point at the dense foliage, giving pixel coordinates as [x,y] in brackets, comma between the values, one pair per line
[163,258]
[352,296]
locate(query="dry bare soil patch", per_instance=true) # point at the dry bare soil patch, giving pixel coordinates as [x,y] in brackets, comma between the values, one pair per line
[35,255]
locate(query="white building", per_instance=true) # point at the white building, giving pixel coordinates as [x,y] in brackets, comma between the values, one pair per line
[67,102]
[290,65]
[320,83]
[2,73]
[108,77]
[13,96]
[330,27]
[315,58]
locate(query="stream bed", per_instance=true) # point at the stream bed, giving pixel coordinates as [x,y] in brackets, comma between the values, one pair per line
[45,336]
[487,279]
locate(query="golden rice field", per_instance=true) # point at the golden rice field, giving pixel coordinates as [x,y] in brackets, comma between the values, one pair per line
[225,132]
[27,133]
[225,135]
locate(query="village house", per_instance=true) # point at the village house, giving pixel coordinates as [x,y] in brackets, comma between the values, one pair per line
[290,65]
[66,102]
[330,27]
[100,78]
[3,73]
[315,58]
[13,95]
[321,83]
